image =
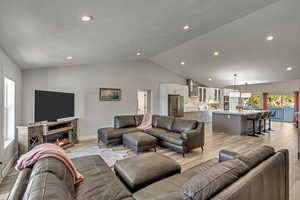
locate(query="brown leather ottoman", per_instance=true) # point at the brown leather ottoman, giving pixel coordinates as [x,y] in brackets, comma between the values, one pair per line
[140,171]
[139,141]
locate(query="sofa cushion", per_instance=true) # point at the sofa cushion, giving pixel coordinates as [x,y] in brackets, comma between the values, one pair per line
[154,120]
[182,125]
[256,156]
[211,181]
[56,167]
[99,180]
[190,173]
[164,122]
[168,136]
[170,188]
[227,155]
[155,131]
[138,119]
[172,137]
[125,121]
[46,186]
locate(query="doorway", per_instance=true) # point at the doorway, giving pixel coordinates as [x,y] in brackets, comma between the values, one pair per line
[143,102]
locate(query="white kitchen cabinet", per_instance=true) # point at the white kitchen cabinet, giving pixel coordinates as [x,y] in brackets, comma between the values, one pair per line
[210,95]
[202,94]
[227,92]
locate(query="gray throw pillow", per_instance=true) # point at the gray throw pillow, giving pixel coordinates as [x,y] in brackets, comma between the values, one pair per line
[256,156]
[208,183]
[125,121]
[182,125]
[165,122]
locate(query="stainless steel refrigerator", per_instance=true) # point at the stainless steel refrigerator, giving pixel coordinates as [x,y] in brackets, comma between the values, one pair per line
[175,106]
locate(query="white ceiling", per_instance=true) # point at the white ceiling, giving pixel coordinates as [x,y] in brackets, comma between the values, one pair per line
[39,33]
[42,33]
[243,49]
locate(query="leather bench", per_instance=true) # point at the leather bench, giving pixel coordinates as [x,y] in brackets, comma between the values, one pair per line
[139,141]
[140,171]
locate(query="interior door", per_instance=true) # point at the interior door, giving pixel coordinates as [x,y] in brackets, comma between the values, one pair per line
[143,102]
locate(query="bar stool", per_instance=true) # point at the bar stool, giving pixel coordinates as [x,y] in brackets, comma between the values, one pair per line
[254,118]
[261,117]
[272,114]
[266,115]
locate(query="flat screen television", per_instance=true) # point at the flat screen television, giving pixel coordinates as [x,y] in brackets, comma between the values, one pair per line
[50,106]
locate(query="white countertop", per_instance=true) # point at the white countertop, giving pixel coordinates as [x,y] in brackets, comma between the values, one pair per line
[236,112]
[186,111]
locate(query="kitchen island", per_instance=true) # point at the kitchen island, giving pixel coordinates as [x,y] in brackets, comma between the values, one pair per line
[199,115]
[233,122]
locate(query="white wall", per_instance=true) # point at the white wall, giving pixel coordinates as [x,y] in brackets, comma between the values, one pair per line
[9,69]
[285,87]
[85,82]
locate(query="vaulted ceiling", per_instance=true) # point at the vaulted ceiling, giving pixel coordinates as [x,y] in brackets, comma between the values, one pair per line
[243,49]
[39,34]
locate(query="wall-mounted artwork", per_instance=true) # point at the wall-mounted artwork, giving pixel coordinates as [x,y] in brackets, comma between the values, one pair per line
[110,94]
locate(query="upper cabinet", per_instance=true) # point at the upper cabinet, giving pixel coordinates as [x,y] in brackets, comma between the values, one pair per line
[227,92]
[210,95]
[205,94]
[202,94]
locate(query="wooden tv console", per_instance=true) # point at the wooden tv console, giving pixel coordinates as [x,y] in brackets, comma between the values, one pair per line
[38,133]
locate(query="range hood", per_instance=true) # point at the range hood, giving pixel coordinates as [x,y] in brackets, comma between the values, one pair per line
[193,87]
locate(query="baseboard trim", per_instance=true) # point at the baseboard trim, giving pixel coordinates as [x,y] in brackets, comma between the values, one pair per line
[87,137]
[8,166]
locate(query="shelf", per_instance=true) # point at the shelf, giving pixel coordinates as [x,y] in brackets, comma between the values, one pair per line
[59,130]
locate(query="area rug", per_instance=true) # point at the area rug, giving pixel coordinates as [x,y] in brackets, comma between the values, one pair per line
[108,155]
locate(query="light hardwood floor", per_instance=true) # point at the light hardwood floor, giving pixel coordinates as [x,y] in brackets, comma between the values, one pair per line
[284,136]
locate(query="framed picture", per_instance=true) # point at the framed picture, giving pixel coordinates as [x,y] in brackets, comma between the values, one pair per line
[110,94]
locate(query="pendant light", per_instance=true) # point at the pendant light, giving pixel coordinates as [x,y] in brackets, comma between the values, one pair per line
[246,94]
[235,93]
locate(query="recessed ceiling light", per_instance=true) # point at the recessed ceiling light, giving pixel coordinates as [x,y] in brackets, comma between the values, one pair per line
[289,69]
[186,27]
[210,79]
[216,53]
[138,53]
[86,18]
[69,57]
[182,63]
[270,38]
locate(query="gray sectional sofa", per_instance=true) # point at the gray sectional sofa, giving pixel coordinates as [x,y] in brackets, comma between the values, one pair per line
[260,174]
[177,134]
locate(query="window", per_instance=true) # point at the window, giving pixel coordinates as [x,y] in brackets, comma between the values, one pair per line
[281,101]
[253,102]
[9,111]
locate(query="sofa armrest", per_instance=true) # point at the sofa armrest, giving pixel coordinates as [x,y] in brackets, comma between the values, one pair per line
[193,138]
[187,135]
[227,155]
